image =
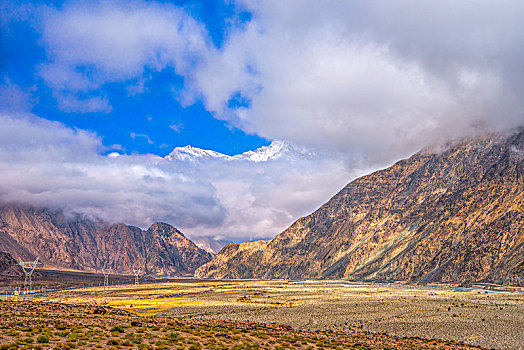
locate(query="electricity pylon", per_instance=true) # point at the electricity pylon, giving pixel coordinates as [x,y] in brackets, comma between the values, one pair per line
[28,267]
[106,278]
[137,274]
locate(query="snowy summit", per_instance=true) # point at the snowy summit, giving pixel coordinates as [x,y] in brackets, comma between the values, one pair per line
[276,150]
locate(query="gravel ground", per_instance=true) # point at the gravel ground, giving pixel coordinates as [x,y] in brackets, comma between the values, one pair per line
[489,320]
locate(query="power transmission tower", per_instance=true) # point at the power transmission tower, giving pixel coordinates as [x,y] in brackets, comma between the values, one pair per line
[28,267]
[106,278]
[137,274]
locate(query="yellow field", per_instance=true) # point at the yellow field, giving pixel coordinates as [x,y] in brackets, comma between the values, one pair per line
[153,299]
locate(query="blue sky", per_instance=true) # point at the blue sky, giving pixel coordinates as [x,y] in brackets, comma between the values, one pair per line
[153,121]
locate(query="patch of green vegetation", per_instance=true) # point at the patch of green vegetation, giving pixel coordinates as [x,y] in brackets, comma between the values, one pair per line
[12,333]
[25,341]
[113,341]
[42,339]
[117,329]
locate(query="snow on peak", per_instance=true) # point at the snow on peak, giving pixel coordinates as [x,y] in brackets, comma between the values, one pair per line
[194,153]
[276,150]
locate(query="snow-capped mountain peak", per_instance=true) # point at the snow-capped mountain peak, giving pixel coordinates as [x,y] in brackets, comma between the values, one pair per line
[194,153]
[276,150]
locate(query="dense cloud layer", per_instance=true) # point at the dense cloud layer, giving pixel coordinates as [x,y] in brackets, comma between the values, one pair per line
[263,198]
[373,81]
[47,164]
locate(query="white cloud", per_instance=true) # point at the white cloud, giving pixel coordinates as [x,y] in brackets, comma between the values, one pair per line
[13,99]
[373,82]
[69,102]
[90,44]
[263,198]
[47,164]
[134,136]
[177,127]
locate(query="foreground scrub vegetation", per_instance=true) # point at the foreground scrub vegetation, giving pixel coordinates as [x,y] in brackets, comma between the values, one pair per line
[50,325]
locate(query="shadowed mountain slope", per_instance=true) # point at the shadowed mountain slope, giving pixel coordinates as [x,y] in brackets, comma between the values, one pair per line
[453,216]
[9,267]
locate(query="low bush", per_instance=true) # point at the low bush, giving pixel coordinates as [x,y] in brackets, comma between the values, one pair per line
[43,339]
[119,329]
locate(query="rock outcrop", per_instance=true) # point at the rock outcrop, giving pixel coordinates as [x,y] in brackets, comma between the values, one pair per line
[85,244]
[456,215]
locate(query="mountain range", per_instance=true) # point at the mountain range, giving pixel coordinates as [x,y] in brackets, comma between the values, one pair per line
[451,215]
[81,243]
[275,150]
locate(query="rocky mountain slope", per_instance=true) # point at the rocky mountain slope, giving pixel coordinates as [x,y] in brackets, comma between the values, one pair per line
[456,215]
[235,260]
[85,244]
[8,266]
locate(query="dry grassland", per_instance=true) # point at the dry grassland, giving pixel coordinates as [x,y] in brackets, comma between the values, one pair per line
[439,315]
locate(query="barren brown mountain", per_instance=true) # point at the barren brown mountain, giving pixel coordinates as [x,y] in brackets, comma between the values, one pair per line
[85,244]
[456,215]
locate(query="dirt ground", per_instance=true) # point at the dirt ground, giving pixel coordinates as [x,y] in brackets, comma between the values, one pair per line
[48,325]
[476,317]
[482,318]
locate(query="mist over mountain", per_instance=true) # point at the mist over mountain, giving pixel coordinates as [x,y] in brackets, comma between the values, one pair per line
[208,197]
[210,244]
